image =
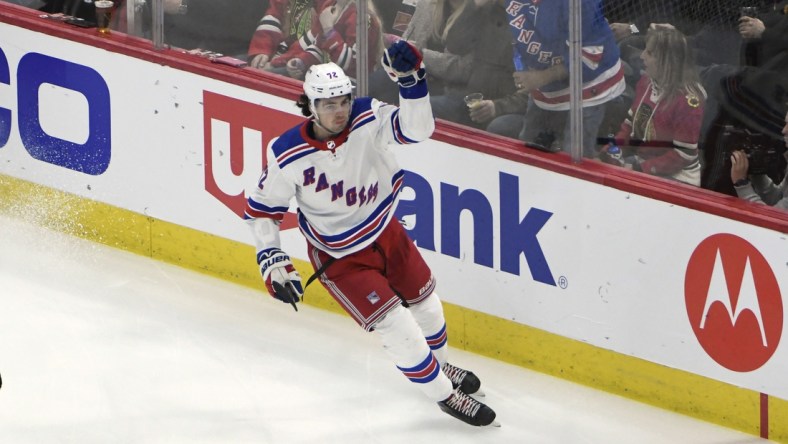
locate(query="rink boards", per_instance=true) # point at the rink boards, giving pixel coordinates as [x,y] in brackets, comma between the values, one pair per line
[576,271]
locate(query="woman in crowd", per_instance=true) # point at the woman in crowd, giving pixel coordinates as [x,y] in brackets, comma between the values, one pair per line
[429,31]
[662,129]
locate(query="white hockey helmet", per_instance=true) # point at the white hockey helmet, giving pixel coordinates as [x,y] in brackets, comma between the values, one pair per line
[325,81]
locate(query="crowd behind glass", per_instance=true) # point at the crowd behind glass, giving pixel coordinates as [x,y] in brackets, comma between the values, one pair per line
[694,91]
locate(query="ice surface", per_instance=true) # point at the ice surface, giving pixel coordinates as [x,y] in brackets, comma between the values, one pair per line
[102,346]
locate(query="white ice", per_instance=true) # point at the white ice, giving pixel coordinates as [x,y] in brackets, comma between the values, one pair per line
[98,345]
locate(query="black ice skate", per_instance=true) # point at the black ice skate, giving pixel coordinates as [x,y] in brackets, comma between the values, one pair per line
[469,410]
[465,380]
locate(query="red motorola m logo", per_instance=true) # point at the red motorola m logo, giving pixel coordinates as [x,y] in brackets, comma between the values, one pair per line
[733,302]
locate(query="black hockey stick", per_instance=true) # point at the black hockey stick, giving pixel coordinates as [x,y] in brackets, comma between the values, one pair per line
[285,293]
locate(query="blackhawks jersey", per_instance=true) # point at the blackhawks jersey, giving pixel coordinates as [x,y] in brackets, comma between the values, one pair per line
[285,23]
[347,187]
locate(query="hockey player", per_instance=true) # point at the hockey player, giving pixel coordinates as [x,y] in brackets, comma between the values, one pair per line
[340,167]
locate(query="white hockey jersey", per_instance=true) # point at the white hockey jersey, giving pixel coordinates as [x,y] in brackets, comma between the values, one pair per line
[347,187]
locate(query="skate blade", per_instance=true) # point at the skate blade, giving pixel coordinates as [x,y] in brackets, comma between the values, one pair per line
[495,423]
[479,394]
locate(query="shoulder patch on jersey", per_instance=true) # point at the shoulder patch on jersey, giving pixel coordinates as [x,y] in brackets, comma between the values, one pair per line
[362,113]
[287,140]
[361,105]
[291,146]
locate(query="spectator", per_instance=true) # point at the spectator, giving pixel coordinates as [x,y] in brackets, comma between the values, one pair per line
[664,120]
[287,24]
[489,71]
[632,18]
[766,38]
[742,101]
[332,37]
[540,35]
[222,27]
[429,31]
[764,55]
[760,187]
[706,23]
[335,30]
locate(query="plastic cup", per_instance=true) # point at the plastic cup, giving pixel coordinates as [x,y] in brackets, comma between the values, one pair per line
[473,100]
[748,11]
[103,15]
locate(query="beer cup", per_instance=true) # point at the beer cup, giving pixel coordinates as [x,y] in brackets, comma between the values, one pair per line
[103,15]
[748,11]
[473,100]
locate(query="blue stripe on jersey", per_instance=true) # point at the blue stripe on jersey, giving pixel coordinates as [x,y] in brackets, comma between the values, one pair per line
[359,234]
[360,106]
[397,177]
[288,140]
[376,227]
[424,372]
[290,146]
[256,209]
[397,130]
[294,154]
[362,119]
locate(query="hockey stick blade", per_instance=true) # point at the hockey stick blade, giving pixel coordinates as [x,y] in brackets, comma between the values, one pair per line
[286,294]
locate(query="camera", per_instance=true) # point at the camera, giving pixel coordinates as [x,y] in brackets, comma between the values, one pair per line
[763,152]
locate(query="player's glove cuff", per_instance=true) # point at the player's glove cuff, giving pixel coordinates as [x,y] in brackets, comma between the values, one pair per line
[271,258]
[412,79]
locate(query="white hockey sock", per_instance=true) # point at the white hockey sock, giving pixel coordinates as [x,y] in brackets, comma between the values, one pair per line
[429,315]
[404,342]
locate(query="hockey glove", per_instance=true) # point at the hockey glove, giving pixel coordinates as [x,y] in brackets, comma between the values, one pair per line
[402,62]
[281,278]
